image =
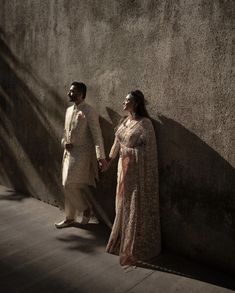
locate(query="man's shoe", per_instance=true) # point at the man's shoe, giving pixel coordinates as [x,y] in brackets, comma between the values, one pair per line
[64,224]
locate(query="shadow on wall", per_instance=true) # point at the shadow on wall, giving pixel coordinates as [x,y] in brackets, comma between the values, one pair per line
[196,196]
[106,188]
[30,150]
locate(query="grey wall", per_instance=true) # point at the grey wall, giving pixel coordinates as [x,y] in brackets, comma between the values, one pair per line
[178,52]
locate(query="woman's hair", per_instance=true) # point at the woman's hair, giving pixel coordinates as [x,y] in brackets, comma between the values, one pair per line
[140,103]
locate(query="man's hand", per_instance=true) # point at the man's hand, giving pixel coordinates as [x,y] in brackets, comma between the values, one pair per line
[68,146]
[103,165]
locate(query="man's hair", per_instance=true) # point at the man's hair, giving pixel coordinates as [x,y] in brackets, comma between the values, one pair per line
[81,87]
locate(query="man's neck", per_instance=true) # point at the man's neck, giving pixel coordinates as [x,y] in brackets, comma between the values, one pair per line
[77,103]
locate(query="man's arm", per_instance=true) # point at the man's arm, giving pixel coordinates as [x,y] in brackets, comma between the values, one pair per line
[94,125]
[65,145]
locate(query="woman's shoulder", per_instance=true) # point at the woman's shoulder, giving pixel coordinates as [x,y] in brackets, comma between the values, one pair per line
[146,121]
[147,124]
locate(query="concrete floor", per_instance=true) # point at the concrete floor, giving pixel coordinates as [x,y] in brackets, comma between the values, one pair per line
[36,257]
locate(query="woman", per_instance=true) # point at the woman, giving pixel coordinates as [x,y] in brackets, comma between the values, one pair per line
[136,234]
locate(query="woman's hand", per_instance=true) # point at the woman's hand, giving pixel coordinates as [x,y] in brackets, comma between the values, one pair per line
[103,165]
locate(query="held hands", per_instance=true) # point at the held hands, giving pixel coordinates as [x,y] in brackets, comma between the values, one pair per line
[105,164]
[68,146]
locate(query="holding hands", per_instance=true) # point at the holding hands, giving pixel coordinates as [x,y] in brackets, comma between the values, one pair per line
[105,164]
[68,146]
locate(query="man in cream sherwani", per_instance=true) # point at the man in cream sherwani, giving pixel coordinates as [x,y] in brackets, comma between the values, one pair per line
[83,146]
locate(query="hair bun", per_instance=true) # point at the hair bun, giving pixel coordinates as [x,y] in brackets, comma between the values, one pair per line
[140,103]
[139,95]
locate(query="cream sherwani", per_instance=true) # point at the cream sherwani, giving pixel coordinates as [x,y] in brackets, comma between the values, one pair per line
[79,166]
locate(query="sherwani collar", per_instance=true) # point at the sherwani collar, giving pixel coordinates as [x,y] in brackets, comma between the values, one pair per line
[79,106]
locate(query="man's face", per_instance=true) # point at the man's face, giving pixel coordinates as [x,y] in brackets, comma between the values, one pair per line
[74,95]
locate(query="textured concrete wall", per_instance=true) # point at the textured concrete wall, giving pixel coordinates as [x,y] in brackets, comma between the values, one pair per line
[178,52]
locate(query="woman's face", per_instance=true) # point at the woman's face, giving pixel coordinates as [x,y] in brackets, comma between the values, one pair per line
[128,103]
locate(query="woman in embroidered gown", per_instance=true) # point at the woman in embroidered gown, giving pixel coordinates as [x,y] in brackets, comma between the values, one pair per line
[136,232]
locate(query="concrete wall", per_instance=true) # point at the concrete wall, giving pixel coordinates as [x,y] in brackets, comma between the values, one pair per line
[178,52]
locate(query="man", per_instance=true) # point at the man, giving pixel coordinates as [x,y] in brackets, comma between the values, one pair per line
[83,146]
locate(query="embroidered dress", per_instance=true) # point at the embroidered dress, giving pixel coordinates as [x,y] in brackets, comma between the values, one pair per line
[136,232]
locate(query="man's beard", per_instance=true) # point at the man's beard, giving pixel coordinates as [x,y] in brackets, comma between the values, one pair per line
[72,98]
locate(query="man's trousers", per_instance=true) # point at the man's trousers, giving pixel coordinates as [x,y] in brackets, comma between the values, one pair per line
[76,199]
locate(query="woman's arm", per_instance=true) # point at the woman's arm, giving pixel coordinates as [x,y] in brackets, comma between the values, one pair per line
[114,150]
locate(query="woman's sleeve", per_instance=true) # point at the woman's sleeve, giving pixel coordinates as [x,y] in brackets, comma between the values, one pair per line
[150,145]
[147,139]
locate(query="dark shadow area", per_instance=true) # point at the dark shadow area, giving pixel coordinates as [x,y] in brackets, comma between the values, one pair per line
[74,255]
[196,196]
[20,281]
[10,194]
[99,232]
[174,264]
[30,149]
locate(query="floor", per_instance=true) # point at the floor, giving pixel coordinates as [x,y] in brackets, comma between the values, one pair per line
[36,257]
